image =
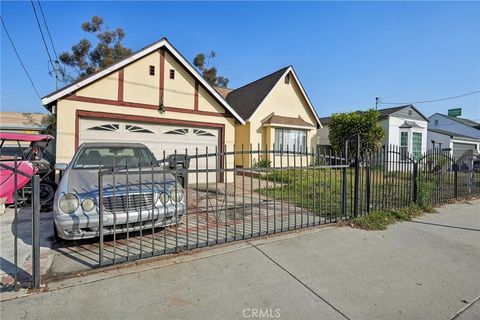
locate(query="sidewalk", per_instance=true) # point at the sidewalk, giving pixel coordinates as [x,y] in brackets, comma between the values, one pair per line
[424,269]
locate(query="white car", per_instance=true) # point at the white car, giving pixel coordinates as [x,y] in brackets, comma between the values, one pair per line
[139,194]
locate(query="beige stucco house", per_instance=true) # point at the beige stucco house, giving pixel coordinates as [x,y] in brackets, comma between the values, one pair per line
[158,98]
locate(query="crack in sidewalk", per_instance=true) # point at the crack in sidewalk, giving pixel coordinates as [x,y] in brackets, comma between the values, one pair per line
[299,281]
[465,308]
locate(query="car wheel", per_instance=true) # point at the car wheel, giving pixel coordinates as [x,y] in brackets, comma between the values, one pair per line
[47,194]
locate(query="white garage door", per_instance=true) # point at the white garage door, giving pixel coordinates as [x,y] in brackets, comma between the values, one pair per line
[156,137]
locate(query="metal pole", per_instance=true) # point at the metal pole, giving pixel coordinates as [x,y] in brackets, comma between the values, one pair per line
[344,181]
[100,216]
[357,178]
[35,231]
[455,180]
[415,178]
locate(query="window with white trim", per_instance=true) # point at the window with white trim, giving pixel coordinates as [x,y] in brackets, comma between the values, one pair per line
[417,145]
[404,144]
[290,140]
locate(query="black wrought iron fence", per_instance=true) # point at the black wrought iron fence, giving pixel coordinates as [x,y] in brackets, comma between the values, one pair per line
[195,199]
[225,196]
[192,200]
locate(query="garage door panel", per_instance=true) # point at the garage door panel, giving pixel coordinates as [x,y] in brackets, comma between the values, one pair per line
[460,148]
[160,139]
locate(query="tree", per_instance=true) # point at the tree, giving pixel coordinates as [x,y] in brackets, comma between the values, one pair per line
[86,58]
[346,126]
[210,74]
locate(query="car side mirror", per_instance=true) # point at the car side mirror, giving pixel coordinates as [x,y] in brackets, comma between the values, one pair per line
[61,166]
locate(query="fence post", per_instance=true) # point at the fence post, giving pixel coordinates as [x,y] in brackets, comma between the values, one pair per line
[100,216]
[357,178]
[35,231]
[368,186]
[455,180]
[415,182]
[344,181]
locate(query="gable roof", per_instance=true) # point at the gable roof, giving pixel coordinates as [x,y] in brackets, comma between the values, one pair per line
[384,113]
[463,121]
[247,99]
[62,92]
[454,135]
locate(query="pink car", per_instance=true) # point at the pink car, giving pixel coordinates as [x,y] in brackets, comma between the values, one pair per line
[19,163]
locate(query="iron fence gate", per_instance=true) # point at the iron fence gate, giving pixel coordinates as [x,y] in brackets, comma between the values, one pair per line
[146,211]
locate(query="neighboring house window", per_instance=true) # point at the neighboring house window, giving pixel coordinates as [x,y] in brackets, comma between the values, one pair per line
[404,144]
[436,122]
[290,140]
[416,145]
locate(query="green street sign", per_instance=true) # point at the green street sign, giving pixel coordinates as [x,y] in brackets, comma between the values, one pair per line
[455,112]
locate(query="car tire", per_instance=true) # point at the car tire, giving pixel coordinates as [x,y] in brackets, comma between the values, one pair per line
[47,194]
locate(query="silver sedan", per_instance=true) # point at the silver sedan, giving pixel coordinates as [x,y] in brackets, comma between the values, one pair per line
[136,192]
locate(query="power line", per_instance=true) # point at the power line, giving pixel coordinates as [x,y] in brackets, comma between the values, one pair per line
[50,37]
[434,100]
[19,59]
[43,37]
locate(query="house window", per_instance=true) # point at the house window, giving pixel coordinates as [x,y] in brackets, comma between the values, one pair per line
[404,144]
[290,140]
[152,70]
[436,122]
[416,145]
[172,74]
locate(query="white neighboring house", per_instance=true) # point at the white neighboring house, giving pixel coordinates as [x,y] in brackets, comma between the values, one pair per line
[456,144]
[405,127]
[458,126]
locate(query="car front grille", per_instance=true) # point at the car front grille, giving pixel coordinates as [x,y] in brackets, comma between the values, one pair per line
[124,203]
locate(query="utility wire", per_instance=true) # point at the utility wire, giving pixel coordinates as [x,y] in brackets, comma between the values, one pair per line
[434,100]
[48,30]
[49,35]
[19,59]
[43,37]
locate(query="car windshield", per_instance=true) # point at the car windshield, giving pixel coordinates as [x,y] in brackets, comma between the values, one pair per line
[107,157]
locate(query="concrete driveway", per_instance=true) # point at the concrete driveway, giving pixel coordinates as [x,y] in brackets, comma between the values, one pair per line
[424,269]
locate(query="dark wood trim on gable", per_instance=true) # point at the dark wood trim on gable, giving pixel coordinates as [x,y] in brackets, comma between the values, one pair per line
[120,84]
[162,76]
[195,100]
[144,106]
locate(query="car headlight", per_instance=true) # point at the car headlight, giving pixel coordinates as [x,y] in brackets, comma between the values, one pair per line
[88,204]
[177,193]
[163,198]
[68,203]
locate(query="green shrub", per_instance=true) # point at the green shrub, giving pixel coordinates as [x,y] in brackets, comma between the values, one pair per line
[262,163]
[424,192]
[376,220]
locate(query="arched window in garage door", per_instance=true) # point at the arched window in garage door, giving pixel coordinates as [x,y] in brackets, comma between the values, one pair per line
[106,127]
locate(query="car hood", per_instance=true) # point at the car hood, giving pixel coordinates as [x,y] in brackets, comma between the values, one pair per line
[86,181]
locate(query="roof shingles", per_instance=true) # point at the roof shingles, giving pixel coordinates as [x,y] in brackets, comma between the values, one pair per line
[245,100]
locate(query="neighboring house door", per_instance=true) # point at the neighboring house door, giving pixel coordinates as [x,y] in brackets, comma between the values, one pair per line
[157,137]
[460,148]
